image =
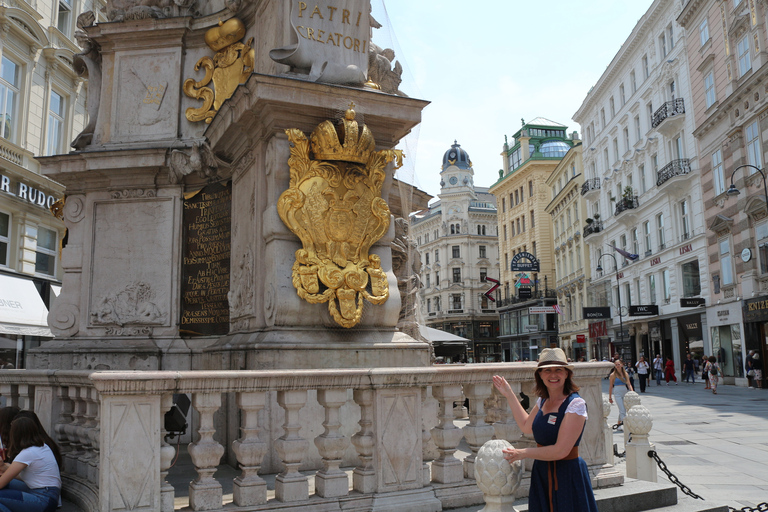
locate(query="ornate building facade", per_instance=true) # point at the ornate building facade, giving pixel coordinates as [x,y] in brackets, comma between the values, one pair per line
[642,177]
[42,104]
[457,240]
[572,265]
[525,227]
[729,71]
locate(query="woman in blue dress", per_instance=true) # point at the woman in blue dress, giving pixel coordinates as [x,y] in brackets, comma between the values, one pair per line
[560,479]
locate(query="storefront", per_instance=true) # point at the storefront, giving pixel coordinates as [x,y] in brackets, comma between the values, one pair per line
[691,336]
[23,318]
[755,313]
[726,337]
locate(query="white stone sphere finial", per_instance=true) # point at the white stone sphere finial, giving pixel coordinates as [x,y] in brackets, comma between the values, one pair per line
[496,477]
[631,399]
[606,407]
[639,420]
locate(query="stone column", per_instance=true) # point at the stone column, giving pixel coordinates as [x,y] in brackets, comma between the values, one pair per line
[364,475]
[447,436]
[477,432]
[249,488]
[72,430]
[331,481]
[205,492]
[290,485]
[167,453]
[639,465]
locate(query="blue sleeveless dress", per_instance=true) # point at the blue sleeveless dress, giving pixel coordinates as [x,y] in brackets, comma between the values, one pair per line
[570,486]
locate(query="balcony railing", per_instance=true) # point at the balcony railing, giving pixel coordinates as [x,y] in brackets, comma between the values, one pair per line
[668,109]
[595,227]
[535,295]
[672,169]
[110,428]
[589,185]
[626,203]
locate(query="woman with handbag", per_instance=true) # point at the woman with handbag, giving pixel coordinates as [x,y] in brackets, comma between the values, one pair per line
[713,372]
[619,385]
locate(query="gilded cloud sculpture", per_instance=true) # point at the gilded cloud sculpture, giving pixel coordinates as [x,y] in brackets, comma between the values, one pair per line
[334,205]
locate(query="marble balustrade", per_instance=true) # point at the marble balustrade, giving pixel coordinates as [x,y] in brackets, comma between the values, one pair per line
[109,425]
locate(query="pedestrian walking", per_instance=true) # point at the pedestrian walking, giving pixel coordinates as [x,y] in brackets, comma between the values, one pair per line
[689,368]
[757,368]
[642,372]
[658,367]
[749,369]
[713,372]
[669,371]
[619,385]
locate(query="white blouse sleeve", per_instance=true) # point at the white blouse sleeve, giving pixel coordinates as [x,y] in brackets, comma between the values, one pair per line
[578,406]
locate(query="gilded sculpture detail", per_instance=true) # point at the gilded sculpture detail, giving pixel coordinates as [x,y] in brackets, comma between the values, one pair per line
[334,205]
[230,67]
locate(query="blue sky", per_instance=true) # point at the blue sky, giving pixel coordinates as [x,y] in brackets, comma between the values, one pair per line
[485,65]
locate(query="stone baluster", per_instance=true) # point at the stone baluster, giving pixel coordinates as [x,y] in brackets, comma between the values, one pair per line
[26,397]
[84,432]
[72,429]
[93,469]
[290,485]
[426,437]
[61,423]
[331,481]
[639,465]
[607,431]
[11,394]
[446,468]
[167,453]
[364,475]
[249,488]
[506,428]
[205,492]
[477,432]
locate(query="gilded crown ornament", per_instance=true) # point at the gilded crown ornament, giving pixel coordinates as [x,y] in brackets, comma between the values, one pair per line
[230,67]
[334,205]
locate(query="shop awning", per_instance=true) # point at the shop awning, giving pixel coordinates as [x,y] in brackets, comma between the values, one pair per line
[22,311]
[442,337]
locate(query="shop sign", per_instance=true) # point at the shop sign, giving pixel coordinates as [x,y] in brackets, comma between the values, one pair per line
[656,260]
[686,248]
[524,293]
[541,310]
[531,327]
[581,339]
[755,310]
[26,192]
[690,327]
[644,310]
[532,265]
[596,313]
[692,302]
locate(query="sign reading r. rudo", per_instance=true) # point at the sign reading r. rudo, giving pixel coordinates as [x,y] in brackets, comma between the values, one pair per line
[205,271]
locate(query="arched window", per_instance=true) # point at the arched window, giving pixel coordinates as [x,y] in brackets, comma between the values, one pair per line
[483,230]
[453,229]
[479,230]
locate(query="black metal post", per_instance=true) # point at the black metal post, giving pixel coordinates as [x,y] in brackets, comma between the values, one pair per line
[618,291]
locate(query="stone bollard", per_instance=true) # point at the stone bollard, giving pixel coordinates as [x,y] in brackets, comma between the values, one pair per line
[639,465]
[497,478]
[631,399]
[607,431]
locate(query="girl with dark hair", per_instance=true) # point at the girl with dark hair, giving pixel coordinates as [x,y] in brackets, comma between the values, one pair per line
[6,417]
[34,464]
[48,440]
[560,480]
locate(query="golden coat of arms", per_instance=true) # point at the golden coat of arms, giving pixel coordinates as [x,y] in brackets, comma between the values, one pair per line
[334,205]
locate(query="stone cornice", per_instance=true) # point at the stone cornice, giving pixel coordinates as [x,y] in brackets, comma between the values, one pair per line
[689,11]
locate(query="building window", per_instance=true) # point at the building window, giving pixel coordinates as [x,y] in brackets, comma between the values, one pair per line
[456,275]
[530,188]
[761,234]
[426,256]
[666,286]
[717,172]
[647,236]
[655,164]
[745,61]
[483,274]
[602,117]
[691,279]
[612,105]
[685,219]
[482,251]
[437,256]
[64,21]
[635,242]
[754,152]
[652,289]
[455,251]
[663,44]
[646,72]
[633,81]
[427,283]
[45,257]
[505,231]
[709,89]
[671,36]
[453,229]
[533,223]
[426,238]
[437,279]
[622,95]
[5,230]
[638,132]
[726,265]
[522,194]
[628,293]
[9,97]
[660,229]
[503,204]
[615,150]
[437,303]
[513,228]
[626,139]
[643,180]
[517,198]
[429,302]
[456,301]
[704,32]
[533,248]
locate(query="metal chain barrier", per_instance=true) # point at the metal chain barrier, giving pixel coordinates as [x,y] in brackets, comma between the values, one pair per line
[762,507]
[616,451]
[672,478]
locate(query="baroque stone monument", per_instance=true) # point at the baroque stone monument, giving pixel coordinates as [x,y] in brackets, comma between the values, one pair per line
[227,202]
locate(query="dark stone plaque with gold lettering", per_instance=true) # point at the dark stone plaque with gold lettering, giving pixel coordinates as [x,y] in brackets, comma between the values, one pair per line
[205,270]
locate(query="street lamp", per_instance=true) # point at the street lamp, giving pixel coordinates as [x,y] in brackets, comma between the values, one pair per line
[733,191]
[618,288]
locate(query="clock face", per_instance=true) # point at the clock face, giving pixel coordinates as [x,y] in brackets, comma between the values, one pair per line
[452,155]
[454,180]
[746,255]
[624,311]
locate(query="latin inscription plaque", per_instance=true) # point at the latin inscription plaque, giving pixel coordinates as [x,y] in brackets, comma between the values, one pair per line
[205,270]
